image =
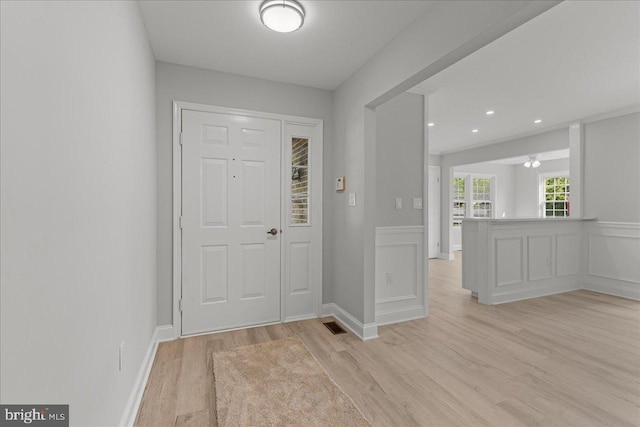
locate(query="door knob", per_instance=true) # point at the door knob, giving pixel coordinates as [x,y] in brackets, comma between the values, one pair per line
[273,232]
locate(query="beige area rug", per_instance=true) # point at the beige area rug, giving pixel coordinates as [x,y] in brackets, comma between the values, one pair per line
[278,383]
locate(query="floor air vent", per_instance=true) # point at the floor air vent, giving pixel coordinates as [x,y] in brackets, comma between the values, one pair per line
[334,328]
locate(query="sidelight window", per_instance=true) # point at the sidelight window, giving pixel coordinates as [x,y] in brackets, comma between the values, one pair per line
[299,181]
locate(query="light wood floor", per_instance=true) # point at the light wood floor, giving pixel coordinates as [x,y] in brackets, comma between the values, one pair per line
[564,360]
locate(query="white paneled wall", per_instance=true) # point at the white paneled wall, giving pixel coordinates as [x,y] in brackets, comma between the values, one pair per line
[511,260]
[399,274]
[611,253]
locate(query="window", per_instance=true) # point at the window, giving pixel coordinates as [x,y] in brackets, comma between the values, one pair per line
[299,181]
[459,201]
[482,203]
[477,202]
[554,194]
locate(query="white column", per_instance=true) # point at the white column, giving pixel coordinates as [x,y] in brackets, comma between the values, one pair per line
[426,92]
[576,169]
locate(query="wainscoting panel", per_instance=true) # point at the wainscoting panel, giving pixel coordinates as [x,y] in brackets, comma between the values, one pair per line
[540,250]
[399,271]
[612,258]
[567,257]
[509,261]
[526,258]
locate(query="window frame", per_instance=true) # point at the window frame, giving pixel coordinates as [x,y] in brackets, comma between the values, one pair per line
[542,177]
[469,194]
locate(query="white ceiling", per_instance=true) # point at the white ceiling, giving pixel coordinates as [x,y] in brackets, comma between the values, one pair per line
[579,59]
[337,38]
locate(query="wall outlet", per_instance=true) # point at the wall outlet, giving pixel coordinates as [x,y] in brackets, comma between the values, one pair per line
[121,356]
[398,202]
[417,203]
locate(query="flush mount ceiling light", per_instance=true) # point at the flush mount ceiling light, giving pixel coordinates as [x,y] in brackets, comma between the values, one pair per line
[430,124]
[475,131]
[490,113]
[536,121]
[283,16]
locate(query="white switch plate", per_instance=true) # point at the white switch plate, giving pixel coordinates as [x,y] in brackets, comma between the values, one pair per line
[352,199]
[398,202]
[417,203]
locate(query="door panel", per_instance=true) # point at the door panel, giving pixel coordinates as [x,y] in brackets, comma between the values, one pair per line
[302,274]
[230,199]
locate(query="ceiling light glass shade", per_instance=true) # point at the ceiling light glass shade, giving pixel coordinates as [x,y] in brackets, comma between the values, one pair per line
[527,164]
[535,163]
[283,16]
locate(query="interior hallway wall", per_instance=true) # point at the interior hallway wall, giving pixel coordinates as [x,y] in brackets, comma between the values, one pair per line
[78,168]
[399,146]
[182,83]
[611,172]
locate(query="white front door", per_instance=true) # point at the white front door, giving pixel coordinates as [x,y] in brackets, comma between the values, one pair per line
[230,203]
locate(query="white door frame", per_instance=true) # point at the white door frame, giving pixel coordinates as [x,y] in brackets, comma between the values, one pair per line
[438,222]
[178,107]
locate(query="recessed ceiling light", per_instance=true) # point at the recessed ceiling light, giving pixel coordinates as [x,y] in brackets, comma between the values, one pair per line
[283,16]
[475,131]
[490,112]
[430,124]
[537,121]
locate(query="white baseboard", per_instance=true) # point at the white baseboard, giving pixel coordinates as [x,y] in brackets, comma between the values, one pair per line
[449,257]
[298,318]
[614,289]
[401,315]
[365,332]
[133,403]
[165,333]
[535,293]
[327,310]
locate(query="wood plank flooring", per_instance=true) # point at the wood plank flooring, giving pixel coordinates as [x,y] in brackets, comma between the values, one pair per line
[565,360]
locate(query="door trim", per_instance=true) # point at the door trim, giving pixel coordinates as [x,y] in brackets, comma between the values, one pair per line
[178,107]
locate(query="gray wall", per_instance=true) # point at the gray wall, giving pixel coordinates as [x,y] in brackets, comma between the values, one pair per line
[78,198]
[527,190]
[611,172]
[181,83]
[399,148]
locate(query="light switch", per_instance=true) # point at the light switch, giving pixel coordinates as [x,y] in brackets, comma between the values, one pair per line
[398,202]
[417,203]
[352,199]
